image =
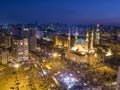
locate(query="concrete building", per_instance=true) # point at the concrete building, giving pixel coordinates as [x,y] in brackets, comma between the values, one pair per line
[20,31]
[2,40]
[61,41]
[4,56]
[118,80]
[32,40]
[5,40]
[8,41]
[20,49]
[39,34]
[25,32]
[49,34]
[75,57]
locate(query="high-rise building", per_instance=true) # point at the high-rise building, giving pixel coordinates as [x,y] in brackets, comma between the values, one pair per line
[61,41]
[4,56]
[5,40]
[2,40]
[24,33]
[20,32]
[32,40]
[20,49]
[38,33]
[16,31]
[118,80]
[8,41]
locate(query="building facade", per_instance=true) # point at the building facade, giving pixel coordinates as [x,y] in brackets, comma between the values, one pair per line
[118,80]
[32,40]
[4,56]
[84,45]
[20,49]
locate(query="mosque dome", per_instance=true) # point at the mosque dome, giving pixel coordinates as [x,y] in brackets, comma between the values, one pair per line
[80,41]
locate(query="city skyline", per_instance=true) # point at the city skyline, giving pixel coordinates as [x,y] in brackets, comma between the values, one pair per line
[62,11]
[59,45]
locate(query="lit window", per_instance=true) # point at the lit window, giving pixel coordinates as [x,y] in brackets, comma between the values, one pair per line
[21,43]
[26,43]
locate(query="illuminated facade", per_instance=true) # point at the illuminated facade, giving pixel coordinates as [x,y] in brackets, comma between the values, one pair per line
[8,40]
[4,56]
[5,40]
[76,34]
[20,50]
[83,50]
[61,41]
[91,40]
[29,33]
[97,35]
[118,80]
[80,45]
[83,45]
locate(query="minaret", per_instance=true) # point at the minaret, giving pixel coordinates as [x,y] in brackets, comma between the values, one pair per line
[87,40]
[76,34]
[69,39]
[118,80]
[56,40]
[97,36]
[91,40]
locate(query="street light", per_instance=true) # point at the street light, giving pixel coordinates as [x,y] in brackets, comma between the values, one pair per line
[17,81]
[55,55]
[16,66]
[95,55]
[95,58]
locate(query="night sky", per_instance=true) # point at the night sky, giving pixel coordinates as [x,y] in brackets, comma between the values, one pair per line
[62,11]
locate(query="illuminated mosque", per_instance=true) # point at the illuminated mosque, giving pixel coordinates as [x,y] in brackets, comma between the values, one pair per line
[83,45]
[80,45]
[81,50]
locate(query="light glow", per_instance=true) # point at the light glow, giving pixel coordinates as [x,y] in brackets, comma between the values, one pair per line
[16,66]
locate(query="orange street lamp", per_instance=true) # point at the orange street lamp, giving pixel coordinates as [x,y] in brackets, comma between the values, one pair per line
[55,55]
[17,81]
